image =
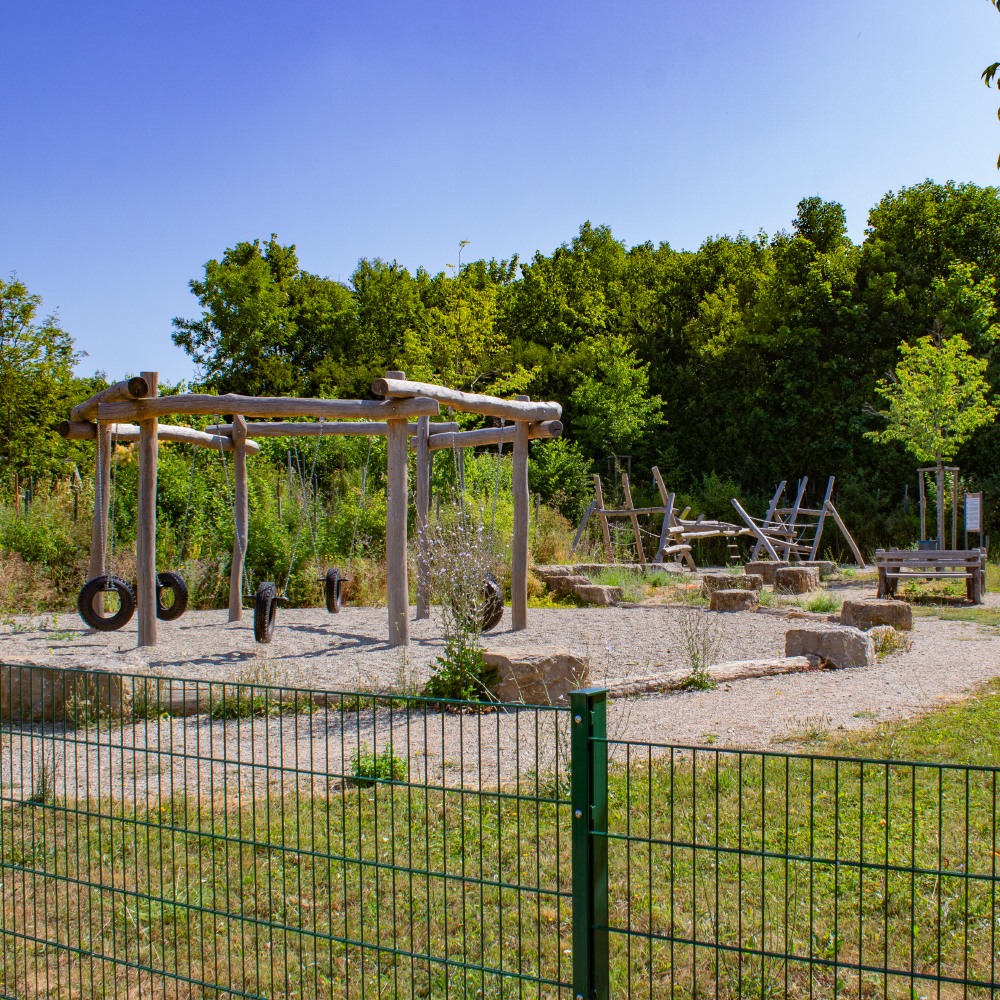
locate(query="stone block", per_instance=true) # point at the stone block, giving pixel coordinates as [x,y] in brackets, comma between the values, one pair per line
[536,675]
[863,614]
[825,566]
[544,572]
[31,692]
[796,579]
[840,647]
[593,593]
[734,600]
[566,584]
[711,582]
[765,568]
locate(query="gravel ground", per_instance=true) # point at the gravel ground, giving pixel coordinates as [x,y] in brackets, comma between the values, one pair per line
[349,652]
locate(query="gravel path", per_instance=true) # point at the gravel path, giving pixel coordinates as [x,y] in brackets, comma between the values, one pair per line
[349,652]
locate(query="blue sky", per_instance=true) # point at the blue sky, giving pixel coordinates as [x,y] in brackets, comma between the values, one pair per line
[143,139]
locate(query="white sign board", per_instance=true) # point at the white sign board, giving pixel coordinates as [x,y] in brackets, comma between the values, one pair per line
[973,511]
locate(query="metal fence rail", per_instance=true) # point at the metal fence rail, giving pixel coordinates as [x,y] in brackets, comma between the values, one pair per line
[753,874]
[192,839]
[180,838]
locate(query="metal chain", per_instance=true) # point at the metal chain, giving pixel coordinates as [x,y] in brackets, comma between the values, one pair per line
[361,500]
[496,487]
[244,570]
[194,458]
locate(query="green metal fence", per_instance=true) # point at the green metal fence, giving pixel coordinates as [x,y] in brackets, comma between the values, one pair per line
[180,838]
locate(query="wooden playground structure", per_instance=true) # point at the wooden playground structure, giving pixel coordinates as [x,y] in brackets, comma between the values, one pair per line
[785,533]
[130,410]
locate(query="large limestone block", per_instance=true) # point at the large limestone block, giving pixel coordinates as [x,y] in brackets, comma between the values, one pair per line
[734,600]
[566,584]
[35,692]
[536,675]
[825,566]
[592,593]
[841,647]
[730,581]
[544,572]
[796,579]
[864,614]
[765,568]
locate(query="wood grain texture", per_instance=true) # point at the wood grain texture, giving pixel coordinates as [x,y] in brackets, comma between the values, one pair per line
[469,402]
[635,520]
[667,498]
[240,504]
[132,388]
[423,505]
[397,589]
[330,428]
[492,435]
[519,550]
[608,551]
[146,521]
[82,431]
[198,404]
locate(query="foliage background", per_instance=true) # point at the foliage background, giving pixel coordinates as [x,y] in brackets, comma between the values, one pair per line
[752,359]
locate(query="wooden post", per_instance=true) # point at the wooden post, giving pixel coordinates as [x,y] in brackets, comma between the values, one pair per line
[609,553]
[822,518]
[954,509]
[423,505]
[795,517]
[770,514]
[843,530]
[519,554]
[397,582]
[923,506]
[667,499]
[102,501]
[241,529]
[145,554]
[635,521]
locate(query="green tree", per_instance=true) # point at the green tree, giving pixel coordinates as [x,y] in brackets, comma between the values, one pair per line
[613,404]
[37,385]
[936,401]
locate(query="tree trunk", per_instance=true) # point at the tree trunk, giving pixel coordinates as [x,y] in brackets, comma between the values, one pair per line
[940,502]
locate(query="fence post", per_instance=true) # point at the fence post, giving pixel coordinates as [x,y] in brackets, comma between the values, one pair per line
[589,802]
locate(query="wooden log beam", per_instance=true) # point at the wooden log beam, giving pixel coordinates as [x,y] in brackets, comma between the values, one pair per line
[132,388]
[492,435]
[145,550]
[661,546]
[397,583]
[667,499]
[423,507]
[468,402]
[366,428]
[519,551]
[198,404]
[609,553]
[843,530]
[819,523]
[762,538]
[242,526]
[79,431]
[635,520]
[770,513]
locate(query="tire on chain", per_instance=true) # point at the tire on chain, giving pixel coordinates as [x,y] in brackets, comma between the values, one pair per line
[487,609]
[99,585]
[176,585]
[264,609]
[334,587]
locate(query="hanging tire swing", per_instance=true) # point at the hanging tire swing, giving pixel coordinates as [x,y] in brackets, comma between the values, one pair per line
[102,585]
[487,607]
[171,591]
[333,587]
[265,607]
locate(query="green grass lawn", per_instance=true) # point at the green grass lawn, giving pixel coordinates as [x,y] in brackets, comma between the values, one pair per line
[403,890]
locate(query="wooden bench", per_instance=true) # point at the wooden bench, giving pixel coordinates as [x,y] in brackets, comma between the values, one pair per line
[968,564]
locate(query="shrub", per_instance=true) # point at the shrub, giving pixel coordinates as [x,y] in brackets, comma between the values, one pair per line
[369,767]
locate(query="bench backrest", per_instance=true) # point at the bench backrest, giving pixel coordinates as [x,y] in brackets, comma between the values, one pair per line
[933,558]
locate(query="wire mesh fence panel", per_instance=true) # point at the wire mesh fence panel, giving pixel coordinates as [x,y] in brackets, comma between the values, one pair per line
[753,874]
[181,838]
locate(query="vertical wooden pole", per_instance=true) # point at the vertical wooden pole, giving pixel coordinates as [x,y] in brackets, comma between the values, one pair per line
[770,514]
[102,501]
[635,521]
[794,518]
[954,510]
[423,503]
[241,533]
[667,499]
[608,551]
[519,553]
[923,506]
[822,518]
[145,555]
[396,575]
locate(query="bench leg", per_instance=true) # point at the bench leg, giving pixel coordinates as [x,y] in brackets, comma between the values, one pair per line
[883,584]
[977,588]
[969,589]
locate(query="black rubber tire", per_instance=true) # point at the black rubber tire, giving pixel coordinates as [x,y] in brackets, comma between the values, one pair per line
[334,590]
[175,583]
[489,606]
[85,603]
[265,607]
[492,602]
